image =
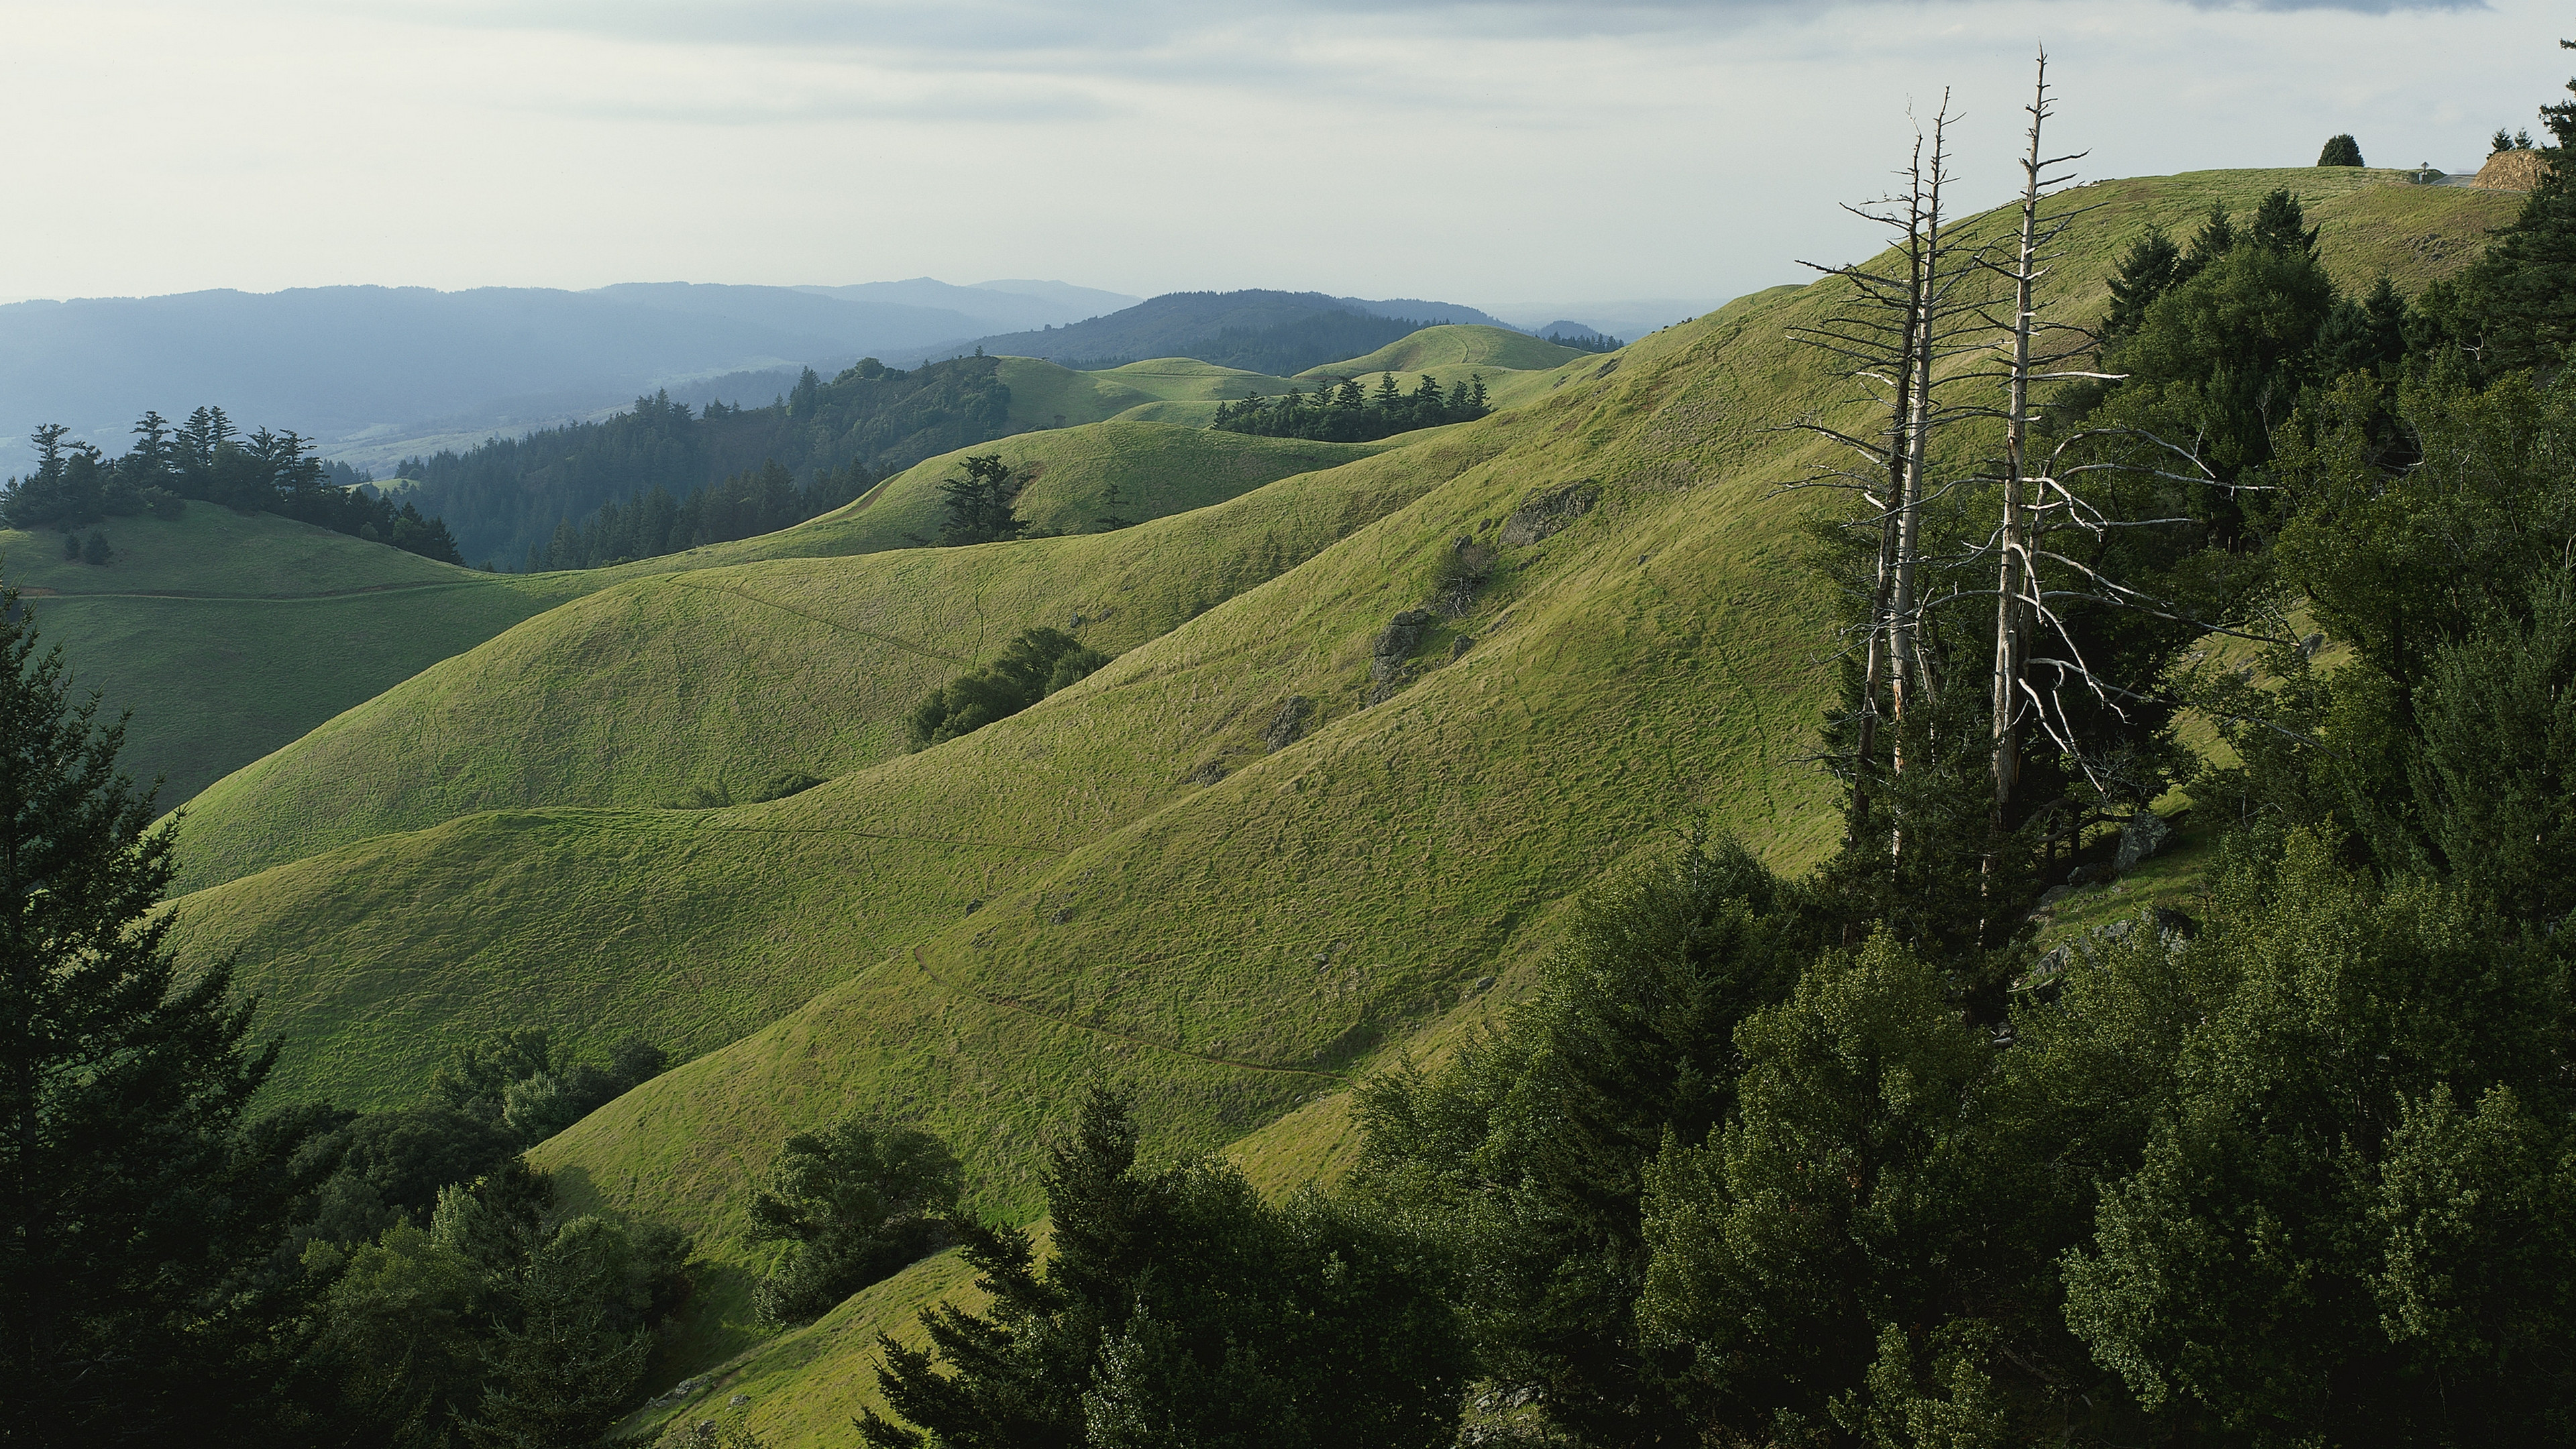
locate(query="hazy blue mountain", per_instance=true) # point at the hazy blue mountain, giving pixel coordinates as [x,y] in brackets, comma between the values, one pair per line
[352,364]
[1264,331]
[1010,306]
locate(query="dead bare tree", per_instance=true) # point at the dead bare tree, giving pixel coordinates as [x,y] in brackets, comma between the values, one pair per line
[2039,354]
[1902,325]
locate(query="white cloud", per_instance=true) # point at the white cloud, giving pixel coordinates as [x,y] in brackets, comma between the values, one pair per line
[1459,150]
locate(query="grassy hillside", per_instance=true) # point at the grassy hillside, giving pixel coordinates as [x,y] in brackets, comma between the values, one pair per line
[720,677]
[1128,879]
[230,634]
[1462,346]
[1044,395]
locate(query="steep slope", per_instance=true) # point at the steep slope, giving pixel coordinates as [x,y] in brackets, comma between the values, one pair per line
[971,930]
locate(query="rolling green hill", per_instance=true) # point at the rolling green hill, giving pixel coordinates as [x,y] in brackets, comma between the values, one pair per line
[1454,346]
[720,676]
[229,634]
[1140,876]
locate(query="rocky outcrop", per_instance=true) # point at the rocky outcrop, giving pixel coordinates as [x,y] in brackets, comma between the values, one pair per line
[2144,835]
[1542,514]
[1288,723]
[2513,171]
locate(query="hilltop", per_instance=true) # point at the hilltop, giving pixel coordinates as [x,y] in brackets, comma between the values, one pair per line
[1264,331]
[1259,851]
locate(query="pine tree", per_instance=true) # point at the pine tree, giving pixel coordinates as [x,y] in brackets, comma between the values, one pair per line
[134,1202]
[2341,151]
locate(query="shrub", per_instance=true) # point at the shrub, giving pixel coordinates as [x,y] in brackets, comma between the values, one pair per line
[1036,664]
[2341,151]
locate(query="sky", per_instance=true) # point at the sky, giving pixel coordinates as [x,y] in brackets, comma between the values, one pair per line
[1485,153]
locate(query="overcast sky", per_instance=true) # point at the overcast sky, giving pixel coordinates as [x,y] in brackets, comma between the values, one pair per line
[1484,153]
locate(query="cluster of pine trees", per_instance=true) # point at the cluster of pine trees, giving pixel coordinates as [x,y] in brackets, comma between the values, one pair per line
[75,485]
[1348,413]
[510,497]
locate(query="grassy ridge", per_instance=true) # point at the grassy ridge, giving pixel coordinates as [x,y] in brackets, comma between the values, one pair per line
[956,937]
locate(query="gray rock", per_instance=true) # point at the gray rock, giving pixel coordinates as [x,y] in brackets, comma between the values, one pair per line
[1459,646]
[1484,983]
[2173,925]
[738,1400]
[1542,514]
[1207,774]
[2144,835]
[1397,641]
[2083,875]
[2311,644]
[2054,894]
[1290,722]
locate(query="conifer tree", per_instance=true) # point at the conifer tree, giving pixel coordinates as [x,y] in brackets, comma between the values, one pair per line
[134,1200]
[2340,151]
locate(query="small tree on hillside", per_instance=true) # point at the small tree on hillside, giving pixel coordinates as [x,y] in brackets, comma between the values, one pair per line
[858,1200]
[979,504]
[2341,151]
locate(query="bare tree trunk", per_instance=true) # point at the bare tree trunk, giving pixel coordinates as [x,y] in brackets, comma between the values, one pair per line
[1910,676]
[2009,610]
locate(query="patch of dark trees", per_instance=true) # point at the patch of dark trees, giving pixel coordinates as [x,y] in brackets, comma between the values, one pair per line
[75,485]
[1032,666]
[1347,413]
[511,497]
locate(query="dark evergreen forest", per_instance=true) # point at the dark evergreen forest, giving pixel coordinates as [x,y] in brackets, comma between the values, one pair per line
[513,498]
[1347,413]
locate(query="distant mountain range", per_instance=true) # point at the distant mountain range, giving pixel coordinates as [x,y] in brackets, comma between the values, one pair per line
[376,374]
[1234,329]
[347,364]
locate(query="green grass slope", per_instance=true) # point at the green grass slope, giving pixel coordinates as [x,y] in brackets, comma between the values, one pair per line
[721,677]
[230,634]
[1126,879]
[1454,345]
[1186,379]
[1046,395]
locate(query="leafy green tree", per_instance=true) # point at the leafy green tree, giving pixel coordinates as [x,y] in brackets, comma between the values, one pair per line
[2316,1240]
[1179,1309]
[2340,151]
[1529,1152]
[96,551]
[858,1200]
[979,503]
[519,1078]
[138,1203]
[2145,271]
[2515,306]
[566,1369]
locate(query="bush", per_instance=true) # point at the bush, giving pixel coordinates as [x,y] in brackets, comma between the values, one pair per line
[1036,664]
[2341,151]
[858,1201]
